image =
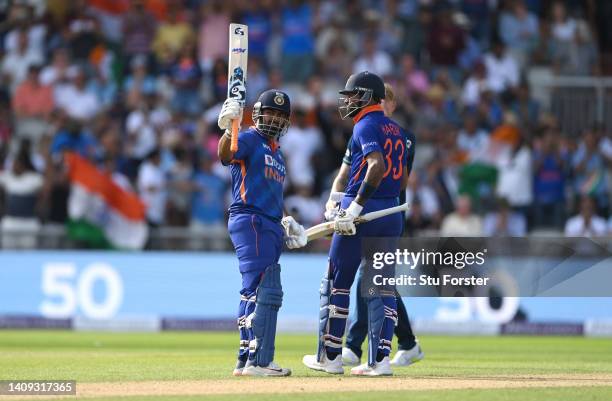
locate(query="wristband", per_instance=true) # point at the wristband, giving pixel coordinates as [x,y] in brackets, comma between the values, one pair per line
[354,209]
[366,190]
[228,134]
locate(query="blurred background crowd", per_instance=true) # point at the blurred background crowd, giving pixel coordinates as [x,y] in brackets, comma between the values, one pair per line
[136,86]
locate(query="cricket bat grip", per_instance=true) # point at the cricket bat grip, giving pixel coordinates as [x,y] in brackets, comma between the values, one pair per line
[235,128]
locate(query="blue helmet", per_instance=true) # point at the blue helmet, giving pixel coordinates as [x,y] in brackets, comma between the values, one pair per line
[273,126]
[359,90]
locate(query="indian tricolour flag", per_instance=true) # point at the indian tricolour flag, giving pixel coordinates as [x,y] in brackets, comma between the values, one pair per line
[101,213]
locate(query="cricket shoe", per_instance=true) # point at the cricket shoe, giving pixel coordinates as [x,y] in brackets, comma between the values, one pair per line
[239,368]
[272,370]
[333,366]
[349,358]
[382,368]
[408,357]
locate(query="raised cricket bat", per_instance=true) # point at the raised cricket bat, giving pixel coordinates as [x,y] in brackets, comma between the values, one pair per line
[237,72]
[327,228]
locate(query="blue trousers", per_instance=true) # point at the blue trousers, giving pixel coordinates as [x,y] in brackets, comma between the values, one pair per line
[344,259]
[358,329]
[258,242]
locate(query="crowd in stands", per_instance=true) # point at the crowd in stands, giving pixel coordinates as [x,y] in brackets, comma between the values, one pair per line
[135,86]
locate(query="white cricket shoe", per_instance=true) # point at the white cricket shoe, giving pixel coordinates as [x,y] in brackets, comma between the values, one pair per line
[382,368]
[334,366]
[408,357]
[349,358]
[271,370]
[239,368]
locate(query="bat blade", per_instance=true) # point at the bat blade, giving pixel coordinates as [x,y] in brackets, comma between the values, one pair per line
[237,71]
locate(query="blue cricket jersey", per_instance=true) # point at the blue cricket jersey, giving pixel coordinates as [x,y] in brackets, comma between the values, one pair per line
[258,172]
[373,132]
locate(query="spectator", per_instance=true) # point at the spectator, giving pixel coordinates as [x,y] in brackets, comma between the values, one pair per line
[139,83]
[208,206]
[417,221]
[304,206]
[590,171]
[479,13]
[258,18]
[32,105]
[212,36]
[185,75]
[59,70]
[152,188]
[474,85]
[208,203]
[376,61]
[462,222]
[258,80]
[22,185]
[138,29]
[415,79]
[171,36]
[429,205]
[586,223]
[72,137]
[515,177]
[550,163]
[297,41]
[519,30]
[504,222]
[579,55]
[502,69]
[445,41]
[471,138]
[83,32]
[525,107]
[16,63]
[75,99]
[563,28]
[179,189]
[300,145]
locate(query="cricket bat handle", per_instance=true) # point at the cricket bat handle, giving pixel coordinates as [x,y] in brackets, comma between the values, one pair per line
[381,213]
[234,144]
[327,228]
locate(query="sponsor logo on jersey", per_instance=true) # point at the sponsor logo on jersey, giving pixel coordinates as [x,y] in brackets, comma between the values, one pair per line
[272,162]
[238,50]
[266,147]
[368,144]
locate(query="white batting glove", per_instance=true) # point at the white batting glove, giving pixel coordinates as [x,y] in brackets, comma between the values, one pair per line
[333,205]
[295,234]
[344,224]
[230,110]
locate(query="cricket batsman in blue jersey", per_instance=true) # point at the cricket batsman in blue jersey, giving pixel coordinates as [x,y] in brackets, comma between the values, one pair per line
[257,227]
[378,167]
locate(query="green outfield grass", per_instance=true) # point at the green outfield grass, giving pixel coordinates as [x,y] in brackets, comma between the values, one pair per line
[129,357]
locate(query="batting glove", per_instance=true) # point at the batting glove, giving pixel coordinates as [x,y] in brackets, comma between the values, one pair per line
[230,110]
[344,224]
[333,205]
[295,235]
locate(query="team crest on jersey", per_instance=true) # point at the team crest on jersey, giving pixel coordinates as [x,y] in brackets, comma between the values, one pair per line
[279,99]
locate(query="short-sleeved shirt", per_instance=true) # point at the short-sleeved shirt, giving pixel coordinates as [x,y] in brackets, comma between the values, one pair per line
[258,173]
[373,132]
